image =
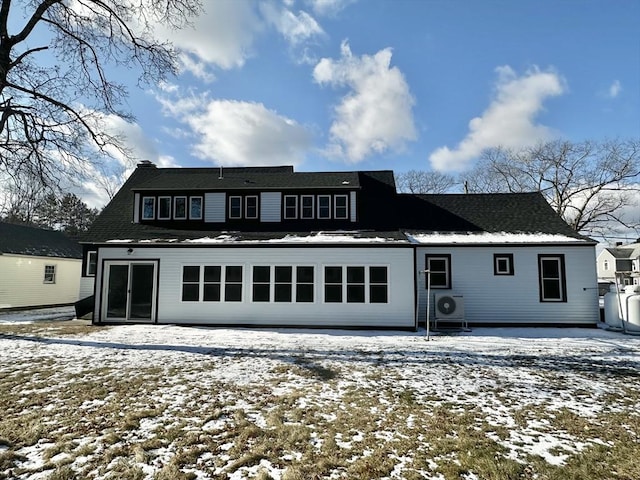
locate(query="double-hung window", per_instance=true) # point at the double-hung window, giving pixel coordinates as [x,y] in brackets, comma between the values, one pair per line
[283,284]
[195,208]
[552,278]
[290,206]
[306,206]
[378,285]
[439,267]
[356,284]
[180,208]
[324,206]
[92,263]
[251,207]
[148,208]
[288,284]
[261,283]
[164,208]
[49,274]
[333,284]
[341,209]
[235,207]
[304,284]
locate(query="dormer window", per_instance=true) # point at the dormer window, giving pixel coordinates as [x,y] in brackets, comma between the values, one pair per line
[290,207]
[235,208]
[340,207]
[324,206]
[306,207]
[180,208]
[195,208]
[164,208]
[148,208]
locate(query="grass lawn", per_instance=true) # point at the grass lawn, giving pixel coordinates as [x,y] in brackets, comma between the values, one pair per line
[167,402]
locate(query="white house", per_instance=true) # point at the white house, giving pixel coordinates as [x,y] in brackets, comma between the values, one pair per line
[38,268]
[268,246]
[623,260]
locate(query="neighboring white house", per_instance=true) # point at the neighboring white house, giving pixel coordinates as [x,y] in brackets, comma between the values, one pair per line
[38,268]
[623,260]
[268,246]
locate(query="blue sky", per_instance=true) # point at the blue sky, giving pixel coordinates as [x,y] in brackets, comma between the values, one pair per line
[382,84]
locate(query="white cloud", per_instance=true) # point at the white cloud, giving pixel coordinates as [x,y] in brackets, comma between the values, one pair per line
[222,35]
[509,120]
[296,29]
[615,89]
[234,133]
[376,115]
[329,7]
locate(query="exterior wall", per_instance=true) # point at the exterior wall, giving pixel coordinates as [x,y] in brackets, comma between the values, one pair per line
[515,299]
[215,205]
[22,281]
[270,206]
[86,287]
[353,209]
[397,313]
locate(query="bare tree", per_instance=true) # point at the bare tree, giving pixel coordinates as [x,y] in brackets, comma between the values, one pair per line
[53,108]
[418,181]
[589,184]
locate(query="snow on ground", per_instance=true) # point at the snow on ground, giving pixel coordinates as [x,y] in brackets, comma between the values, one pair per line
[495,373]
[36,315]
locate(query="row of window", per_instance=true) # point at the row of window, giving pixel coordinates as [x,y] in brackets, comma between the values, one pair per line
[323,207]
[551,273]
[285,284]
[166,208]
[246,207]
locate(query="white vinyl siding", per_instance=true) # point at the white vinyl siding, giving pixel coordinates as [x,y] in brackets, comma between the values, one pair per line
[352,206]
[515,299]
[136,208]
[215,207]
[22,281]
[398,312]
[270,206]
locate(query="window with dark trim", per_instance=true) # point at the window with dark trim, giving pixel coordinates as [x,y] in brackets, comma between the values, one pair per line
[148,208]
[164,208]
[191,283]
[49,274]
[92,263]
[341,207]
[235,207]
[304,284]
[503,263]
[378,285]
[195,208]
[355,284]
[290,206]
[324,206]
[212,283]
[251,207]
[283,284]
[209,281]
[440,268]
[333,284]
[552,278]
[261,283]
[233,284]
[306,206]
[180,208]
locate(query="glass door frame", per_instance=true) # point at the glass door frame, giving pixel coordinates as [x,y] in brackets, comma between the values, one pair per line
[105,291]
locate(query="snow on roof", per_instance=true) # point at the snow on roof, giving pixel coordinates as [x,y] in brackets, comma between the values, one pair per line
[489,237]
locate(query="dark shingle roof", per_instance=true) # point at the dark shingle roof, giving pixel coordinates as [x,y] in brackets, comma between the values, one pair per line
[485,212]
[210,179]
[622,253]
[24,240]
[380,209]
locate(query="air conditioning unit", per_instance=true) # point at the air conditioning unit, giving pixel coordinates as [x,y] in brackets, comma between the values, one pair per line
[449,306]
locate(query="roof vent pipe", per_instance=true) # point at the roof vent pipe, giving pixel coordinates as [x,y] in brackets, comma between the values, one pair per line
[146,164]
[220,176]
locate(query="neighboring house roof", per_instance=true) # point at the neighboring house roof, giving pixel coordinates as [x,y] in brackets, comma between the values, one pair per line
[621,253]
[380,209]
[32,241]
